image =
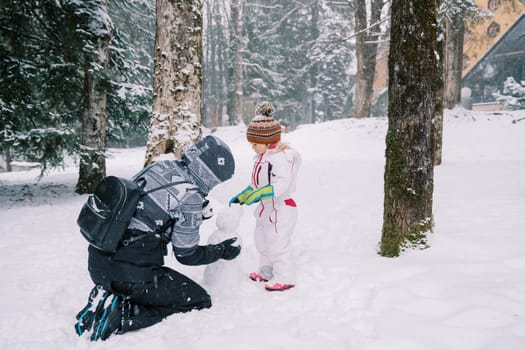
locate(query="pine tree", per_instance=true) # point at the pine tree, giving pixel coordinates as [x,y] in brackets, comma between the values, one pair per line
[40,56]
[45,48]
[331,56]
[295,58]
[131,71]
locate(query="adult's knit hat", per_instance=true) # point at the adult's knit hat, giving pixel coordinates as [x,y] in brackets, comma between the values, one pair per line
[264,129]
[209,162]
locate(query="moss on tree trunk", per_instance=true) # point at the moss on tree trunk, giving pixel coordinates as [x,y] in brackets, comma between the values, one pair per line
[414,82]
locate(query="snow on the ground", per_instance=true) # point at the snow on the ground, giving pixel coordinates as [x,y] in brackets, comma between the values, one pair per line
[466,291]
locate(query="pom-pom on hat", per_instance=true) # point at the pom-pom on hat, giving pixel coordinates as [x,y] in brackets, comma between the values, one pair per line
[264,129]
[264,108]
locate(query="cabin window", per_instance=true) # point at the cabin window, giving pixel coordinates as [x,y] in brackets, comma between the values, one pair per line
[493,5]
[493,30]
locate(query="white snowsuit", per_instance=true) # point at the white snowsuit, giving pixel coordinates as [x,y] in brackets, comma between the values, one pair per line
[276,217]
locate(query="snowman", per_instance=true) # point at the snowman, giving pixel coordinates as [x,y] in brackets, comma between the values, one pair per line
[225,272]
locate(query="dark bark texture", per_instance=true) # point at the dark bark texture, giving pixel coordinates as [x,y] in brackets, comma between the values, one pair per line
[94,120]
[414,82]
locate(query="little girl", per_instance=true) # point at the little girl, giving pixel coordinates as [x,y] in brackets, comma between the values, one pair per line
[273,179]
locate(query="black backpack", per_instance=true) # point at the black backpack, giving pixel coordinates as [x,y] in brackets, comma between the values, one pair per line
[105,216]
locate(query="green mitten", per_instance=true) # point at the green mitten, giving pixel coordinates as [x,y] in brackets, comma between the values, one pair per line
[256,195]
[241,197]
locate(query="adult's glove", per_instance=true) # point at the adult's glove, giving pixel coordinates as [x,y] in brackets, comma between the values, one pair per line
[241,197]
[227,250]
[207,254]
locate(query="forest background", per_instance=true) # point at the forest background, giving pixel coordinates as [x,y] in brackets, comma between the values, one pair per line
[312,59]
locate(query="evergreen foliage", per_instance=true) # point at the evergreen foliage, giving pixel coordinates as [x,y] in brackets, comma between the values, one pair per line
[44,49]
[458,11]
[131,71]
[296,54]
[513,94]
[295,57]
[40,59]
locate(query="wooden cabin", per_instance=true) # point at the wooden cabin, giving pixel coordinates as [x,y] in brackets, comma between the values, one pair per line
[493,50]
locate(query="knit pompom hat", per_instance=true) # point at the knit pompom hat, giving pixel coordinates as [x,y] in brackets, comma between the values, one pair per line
[263,129]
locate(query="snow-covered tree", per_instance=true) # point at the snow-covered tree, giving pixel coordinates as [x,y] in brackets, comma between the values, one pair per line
[131,71]
[453,16]
[265,54]
[40,102]
[331,71]
[45,47]
[236,111]
[513,94]
[177,80]
[367,34]
[295,57]
[218,61]
[97,27]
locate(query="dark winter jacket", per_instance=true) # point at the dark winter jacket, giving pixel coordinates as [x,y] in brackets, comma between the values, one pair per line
[142,251]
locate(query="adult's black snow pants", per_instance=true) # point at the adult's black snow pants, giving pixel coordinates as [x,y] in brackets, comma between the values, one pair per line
[172,292]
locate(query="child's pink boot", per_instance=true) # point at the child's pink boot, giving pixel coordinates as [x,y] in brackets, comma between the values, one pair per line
[278,287]
[254,276]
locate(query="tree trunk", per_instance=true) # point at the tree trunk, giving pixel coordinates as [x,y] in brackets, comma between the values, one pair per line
[437,142]
[366,53]
[414,83]
[213,74]
[454,62]
[177,81]
[238,101]
[452,67]
[7,156]
[93,137]
[437,133]
[214,114]
[222,73]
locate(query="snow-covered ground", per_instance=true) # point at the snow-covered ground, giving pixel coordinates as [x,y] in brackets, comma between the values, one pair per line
[465,292]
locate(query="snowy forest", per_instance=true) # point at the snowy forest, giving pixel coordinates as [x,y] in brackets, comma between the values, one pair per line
[314,59]
[410,225]
[298,55]
[82,76]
